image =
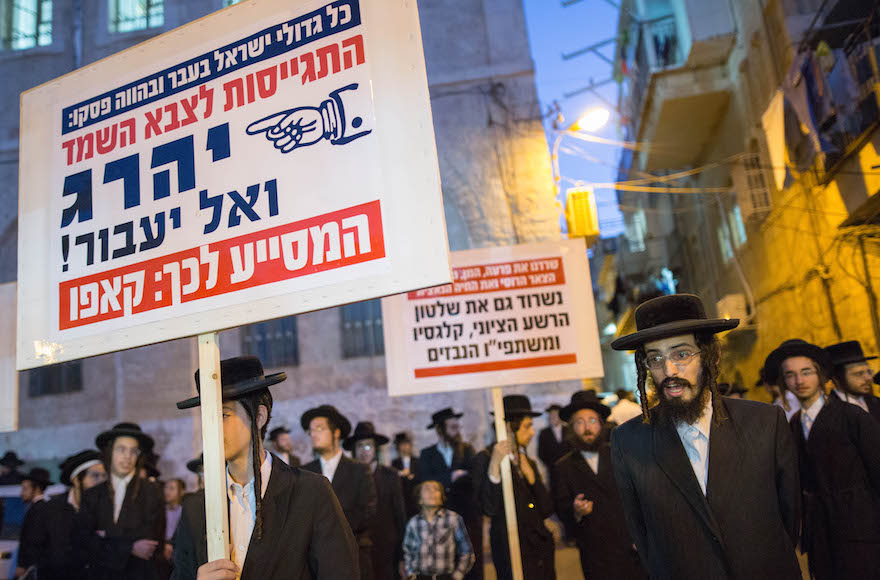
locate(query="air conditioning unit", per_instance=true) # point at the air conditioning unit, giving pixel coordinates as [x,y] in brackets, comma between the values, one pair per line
[581,214]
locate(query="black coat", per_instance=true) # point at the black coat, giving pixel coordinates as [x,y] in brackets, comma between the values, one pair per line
[533,504]
[47,541]
[549,449]
[872,402]
[142,517]
[745,527]
[388,525]
[409,483]
[305,536]
[840,476]
[356,492]
[605,546]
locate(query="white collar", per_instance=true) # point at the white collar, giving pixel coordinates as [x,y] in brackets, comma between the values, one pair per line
[813,410]
[124,481]
[848,397]
[703,424]
[265,473]
[333,462]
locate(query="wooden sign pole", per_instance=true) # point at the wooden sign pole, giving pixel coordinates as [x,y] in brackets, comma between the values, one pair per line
[507,488]
[216,514]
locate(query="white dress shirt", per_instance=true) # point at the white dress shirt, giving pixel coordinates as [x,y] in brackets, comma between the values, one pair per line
[243,511]
[592,459]
[808,416]
[695,439]
[120,484]
[446,451]
[405,461]
[328,466]
[857,400]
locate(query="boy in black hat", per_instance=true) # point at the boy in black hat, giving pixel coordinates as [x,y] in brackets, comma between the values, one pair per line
[33,488]
[386,527]
[839,451]
[197,467]
[851,374]
[586,495]
[292,529]
[553,439]
[351,481]
[9,464]
[709,485]
[407,467]
[122,521]
[533,502]
[47,538]
[282,446]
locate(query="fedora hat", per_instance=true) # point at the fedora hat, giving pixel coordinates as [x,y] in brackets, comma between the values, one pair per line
[75,464]
[584,400]
[196,465]
[364,430]
[844,353]
[402,437]
[238,376]
[38,475]
[516,406]
[330,412]
[792,348]
[10,459]
[553,407]
[441,415]
[732,388]
[125,430]
[673,315]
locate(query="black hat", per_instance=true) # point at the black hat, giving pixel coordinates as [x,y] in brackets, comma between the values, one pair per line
[553,407]
[844,353]
[792,348]
[441,415]
[877,378]
[402,437]
[274,433]
[238,376]
[10,459]
[38,475]
[72,465]
[730,389]
[584,400]
[364,430]
[667,316]
[152,470]
[125,430]
[196,465]
[516,406]
[330,412]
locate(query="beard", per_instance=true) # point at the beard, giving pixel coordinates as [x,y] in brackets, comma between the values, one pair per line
[676,410]
[582,444]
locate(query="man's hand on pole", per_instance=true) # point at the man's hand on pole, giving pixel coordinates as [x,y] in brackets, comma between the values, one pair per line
[218,570]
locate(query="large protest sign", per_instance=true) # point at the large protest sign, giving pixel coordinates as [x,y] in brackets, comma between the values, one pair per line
[513,315]
[269,159]
[8,374]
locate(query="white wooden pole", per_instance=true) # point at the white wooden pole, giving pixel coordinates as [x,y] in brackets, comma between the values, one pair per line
[507,488]
[216,514]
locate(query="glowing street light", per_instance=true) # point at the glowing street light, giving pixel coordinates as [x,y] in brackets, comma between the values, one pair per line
[592,120]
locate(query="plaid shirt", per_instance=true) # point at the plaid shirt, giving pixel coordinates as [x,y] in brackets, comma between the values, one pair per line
[439,547]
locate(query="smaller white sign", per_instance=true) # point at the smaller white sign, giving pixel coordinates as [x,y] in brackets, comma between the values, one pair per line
[513,315]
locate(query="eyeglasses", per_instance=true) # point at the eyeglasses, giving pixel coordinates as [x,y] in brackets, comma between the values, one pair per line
[590,421]
[130,451]
[316,430]
[680,358]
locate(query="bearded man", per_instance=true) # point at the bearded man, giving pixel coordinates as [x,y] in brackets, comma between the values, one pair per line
[709,485]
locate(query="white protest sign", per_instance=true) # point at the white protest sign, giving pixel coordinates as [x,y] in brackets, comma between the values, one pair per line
[273,158]
[513,315]
[8,374]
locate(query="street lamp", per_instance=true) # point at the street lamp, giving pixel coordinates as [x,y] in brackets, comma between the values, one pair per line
[592,120]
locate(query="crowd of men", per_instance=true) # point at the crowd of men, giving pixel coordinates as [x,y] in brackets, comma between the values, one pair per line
[633,486]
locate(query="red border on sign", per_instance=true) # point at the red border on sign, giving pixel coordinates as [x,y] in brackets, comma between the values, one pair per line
[541,361]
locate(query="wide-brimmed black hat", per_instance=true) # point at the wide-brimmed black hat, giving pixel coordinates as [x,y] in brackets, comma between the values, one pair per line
[732,389]
[553,407]
[238,376]
[516,406]
[10,459]
[152,470]
[331,413]
[849,352]
[196,465]
[402,437]
[364,430]
[274,433]
[74,464]
[441,415]
[791,348]
[584,400]
[38,475]
[667,316]
[125,430]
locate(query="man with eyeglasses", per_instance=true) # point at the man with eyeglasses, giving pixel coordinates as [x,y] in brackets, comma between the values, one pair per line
[709,485]
[122,521]
[852,376]
[838,448]
[586,495]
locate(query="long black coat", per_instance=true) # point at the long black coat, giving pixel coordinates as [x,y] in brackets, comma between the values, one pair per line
[305,536]
[47,541]
[142,517]
[533,504]
[872,402]
[746,525]
[388,525]
[549,449]
[356,492]
[605,546]
[409,484]
[840,475]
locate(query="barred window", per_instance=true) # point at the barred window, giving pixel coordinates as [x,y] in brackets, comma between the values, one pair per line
[362,329]
[274,341]
[55,379]
[25,23]
[128,15]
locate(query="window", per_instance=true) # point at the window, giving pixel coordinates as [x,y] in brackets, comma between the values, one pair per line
[636,228]
[25,23]
[737,227]
[362,329]
[274,341]
[128,15]
[55,379]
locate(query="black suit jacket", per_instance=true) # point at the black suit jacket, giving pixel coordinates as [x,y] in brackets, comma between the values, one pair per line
[605,545]
[872,402]
[460,494]
[142,517]
[305,536]
[840,474]
[744,527]
[388,525]
[47,541]
[409,484]
[356,493]
[549,449]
